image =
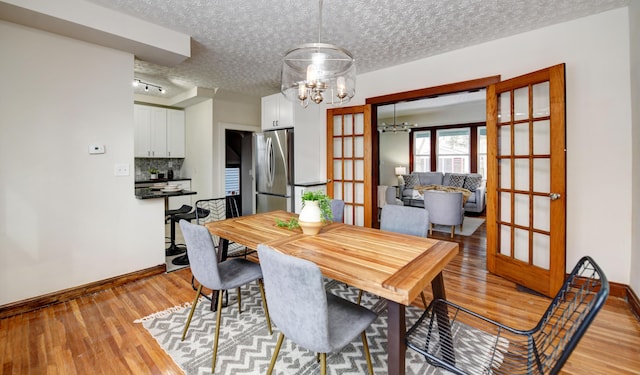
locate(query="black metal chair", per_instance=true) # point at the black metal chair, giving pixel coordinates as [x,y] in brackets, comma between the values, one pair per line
[464,342]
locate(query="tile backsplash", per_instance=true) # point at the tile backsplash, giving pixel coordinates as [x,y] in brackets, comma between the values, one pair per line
[163,165]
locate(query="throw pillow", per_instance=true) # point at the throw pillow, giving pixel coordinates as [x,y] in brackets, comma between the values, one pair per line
[471,183]
[410,181]
[456,180]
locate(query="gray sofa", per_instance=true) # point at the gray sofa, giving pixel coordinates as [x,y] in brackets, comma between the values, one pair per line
[470,181]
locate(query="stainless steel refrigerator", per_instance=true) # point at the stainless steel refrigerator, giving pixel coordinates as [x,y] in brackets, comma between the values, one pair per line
[274,170]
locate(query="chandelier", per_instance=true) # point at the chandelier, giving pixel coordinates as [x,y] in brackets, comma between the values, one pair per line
[403,127]
[318,72]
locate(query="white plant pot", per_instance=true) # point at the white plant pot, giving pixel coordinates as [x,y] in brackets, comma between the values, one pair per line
[310,218]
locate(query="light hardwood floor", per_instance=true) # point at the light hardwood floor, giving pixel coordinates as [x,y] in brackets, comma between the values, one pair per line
[95,334]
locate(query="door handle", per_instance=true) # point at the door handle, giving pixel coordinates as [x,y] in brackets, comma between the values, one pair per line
[554,196]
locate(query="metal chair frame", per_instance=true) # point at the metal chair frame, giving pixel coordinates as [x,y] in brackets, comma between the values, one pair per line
[500,349]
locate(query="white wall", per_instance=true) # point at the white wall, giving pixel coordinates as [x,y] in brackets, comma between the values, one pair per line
[65,219]
[596,52]
[634,18]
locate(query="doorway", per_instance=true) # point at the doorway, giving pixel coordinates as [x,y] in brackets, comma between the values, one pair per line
[238,168]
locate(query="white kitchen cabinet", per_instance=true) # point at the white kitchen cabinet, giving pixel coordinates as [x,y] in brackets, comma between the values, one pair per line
[277,112]
[177,202]
[175,133]
[159,132]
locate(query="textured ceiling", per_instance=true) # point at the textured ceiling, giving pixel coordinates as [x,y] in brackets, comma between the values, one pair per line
[238,45]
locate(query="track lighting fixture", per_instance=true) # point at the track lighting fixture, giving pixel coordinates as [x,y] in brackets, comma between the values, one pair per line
[138,82]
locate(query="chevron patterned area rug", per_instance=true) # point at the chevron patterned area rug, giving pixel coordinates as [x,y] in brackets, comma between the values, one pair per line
[245,346]
[469,226]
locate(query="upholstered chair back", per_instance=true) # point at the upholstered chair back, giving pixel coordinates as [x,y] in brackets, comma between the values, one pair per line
[202,255]
[296,298]
[405,219]
[444,208]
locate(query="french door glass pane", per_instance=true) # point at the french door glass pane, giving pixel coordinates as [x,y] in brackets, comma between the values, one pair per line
[541,99]
[541,136]
[348,169]
[541,246]
[337,190]
[521,171]
[504,107]
[348,125]
[521,245]
[359,147]
[521,139]
[521,210]
[359,193]
[521,104]
[337,170]
[504,140]
[505,207]
[337,147]
[359,171]
[505,240]
[542,175]
[359,122]
[505,173]
[348,147]
[541,213]
[348,192]
[337,125]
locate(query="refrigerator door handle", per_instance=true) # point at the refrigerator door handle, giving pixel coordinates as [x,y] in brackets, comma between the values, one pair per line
[270,160]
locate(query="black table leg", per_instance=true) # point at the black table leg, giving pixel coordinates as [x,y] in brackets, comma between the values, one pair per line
[223,249]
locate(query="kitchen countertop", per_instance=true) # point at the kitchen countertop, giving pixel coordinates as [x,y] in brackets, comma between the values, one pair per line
[147,193]
[312,183]
[161,180]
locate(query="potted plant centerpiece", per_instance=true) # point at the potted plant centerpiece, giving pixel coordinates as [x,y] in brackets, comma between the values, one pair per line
[316,210]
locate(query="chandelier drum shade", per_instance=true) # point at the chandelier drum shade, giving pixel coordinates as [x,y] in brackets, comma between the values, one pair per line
[318,72]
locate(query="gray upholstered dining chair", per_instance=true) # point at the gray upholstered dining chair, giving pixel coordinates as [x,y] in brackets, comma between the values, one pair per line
[391,198]
[230,274]
[305,313]
[406,220]
[337,209]
[444,208]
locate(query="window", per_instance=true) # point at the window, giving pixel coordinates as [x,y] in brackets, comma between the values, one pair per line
[482,151]
[453,151]
[232,181]
[422,151]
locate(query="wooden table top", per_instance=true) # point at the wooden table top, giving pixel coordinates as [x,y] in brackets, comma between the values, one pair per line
[391,265]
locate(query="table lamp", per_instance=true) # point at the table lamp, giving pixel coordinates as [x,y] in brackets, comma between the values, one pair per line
[399,172]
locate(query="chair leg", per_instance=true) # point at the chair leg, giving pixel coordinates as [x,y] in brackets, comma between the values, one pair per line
[239,303]
[323,363]
[431,229]
[453,230]
[359,296]
[424,299]
[215,340]
[275,353]
[193,307]
[367,354]
[264,305]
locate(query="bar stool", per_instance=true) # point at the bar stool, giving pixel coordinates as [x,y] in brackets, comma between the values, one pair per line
[197,213]
[174,249]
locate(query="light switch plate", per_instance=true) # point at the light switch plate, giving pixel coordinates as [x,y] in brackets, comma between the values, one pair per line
[121,169]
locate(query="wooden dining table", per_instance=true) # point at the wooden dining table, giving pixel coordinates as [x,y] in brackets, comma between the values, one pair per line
[394,266]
